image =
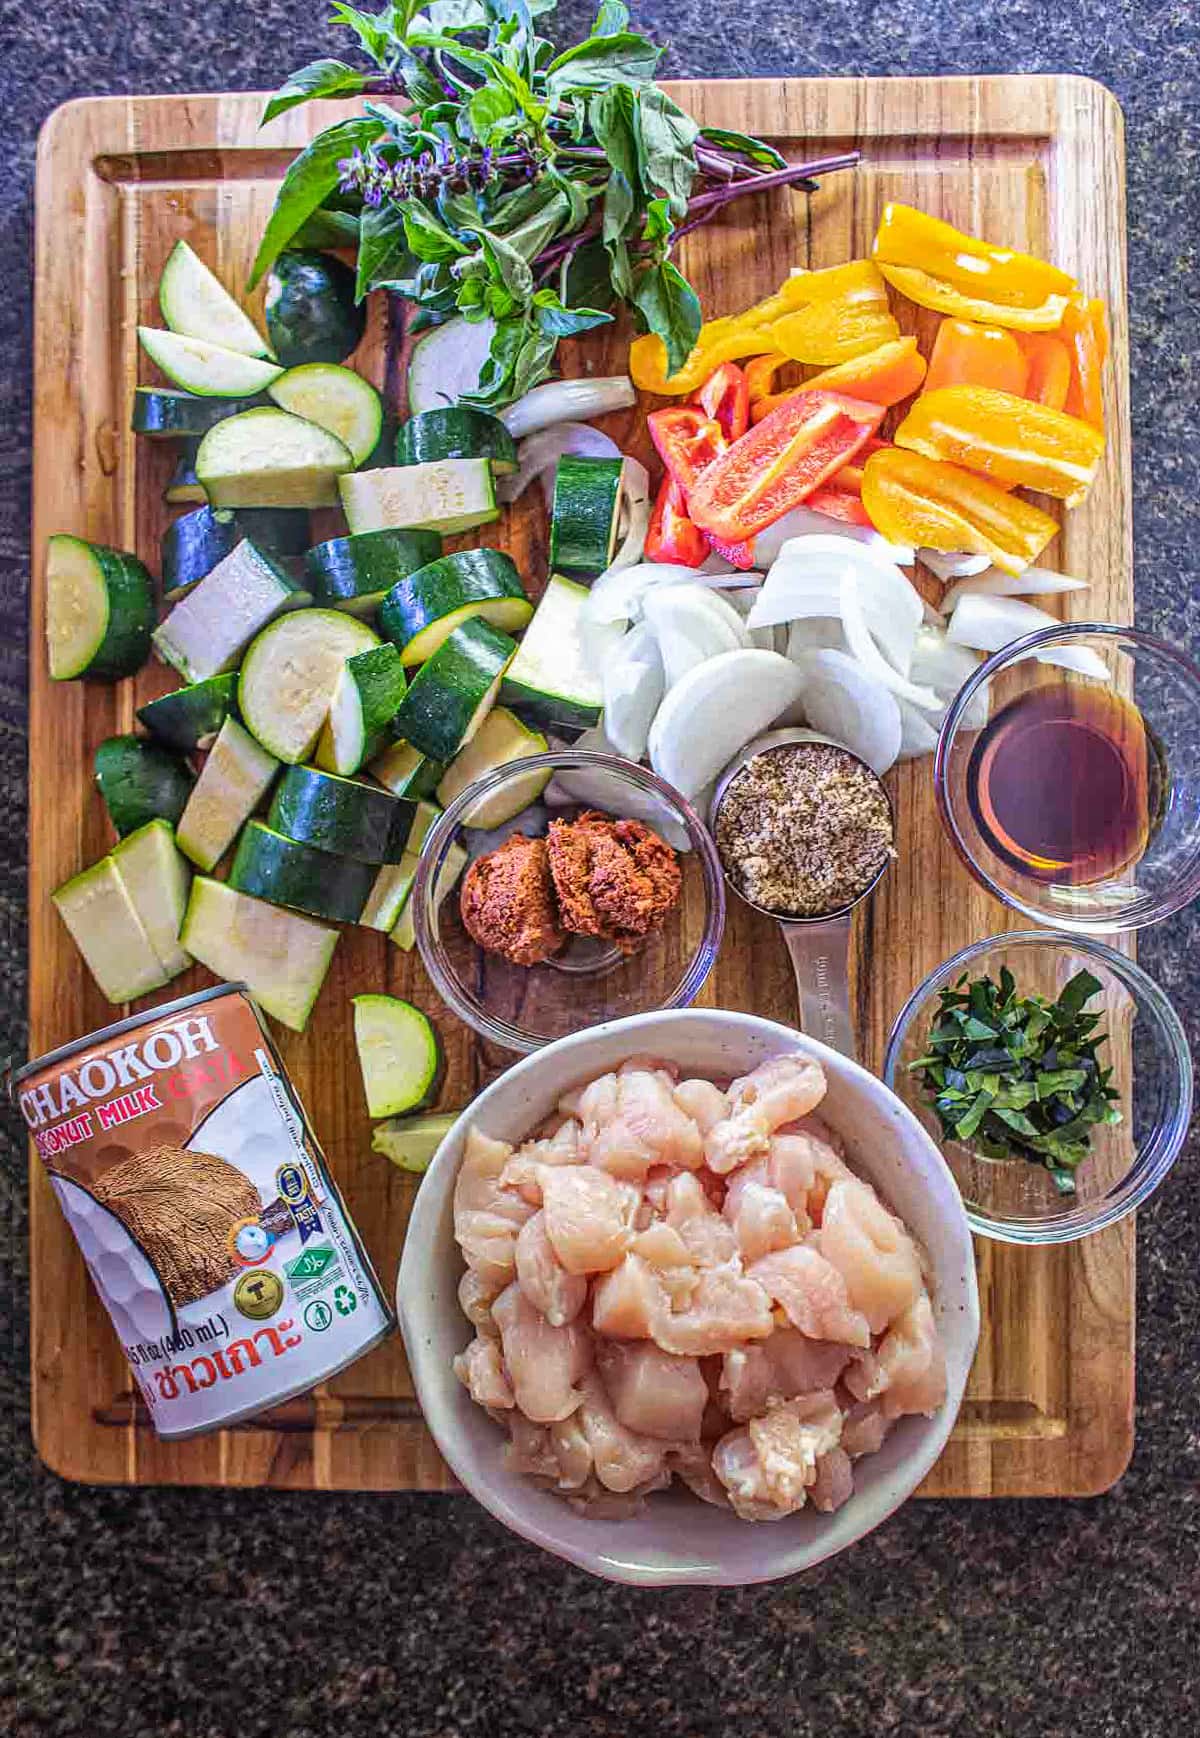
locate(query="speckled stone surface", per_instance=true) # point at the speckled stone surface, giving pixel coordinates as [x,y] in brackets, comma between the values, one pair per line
[191,1614]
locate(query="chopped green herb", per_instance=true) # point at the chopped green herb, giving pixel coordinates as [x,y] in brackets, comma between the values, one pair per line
[1018,1076]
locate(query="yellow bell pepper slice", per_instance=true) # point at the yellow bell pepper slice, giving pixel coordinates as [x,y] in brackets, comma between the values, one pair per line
[1010,439]
[918,501]
[940,267]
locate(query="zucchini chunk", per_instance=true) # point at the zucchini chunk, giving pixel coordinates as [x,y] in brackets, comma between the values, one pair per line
[336,399]
[558,674]
[99,610]
[140,782]
[234,779]
[269,866]
[280,956]
[289,676]
[450,496]
[269,458]
[398,1052]
[452,694]
[423,609]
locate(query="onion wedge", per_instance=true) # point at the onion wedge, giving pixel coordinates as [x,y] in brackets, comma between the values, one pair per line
[539,453]
[567,401]
[1034,582]
[806,580]
[863,647]
[716,709]
[619,593]
[842,701]
[807,522]
[634,685]
[988,624]
[689,632]
[947,567]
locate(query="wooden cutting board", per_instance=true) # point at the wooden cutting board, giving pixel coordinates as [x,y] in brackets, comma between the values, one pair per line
[1037,162]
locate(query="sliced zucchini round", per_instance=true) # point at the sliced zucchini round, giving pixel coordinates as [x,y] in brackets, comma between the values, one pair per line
[356,573]
[398,1052]
[423,608]
[196,304]
[341,815]
[336,399]
[268,458]
[207,369]
[193,544]
[99,610]
[453,692]
[365,700]
[411,1142]
[310,307]
[185,486]
[268,866]
[500,738]
[289,675]
[406,772]
[140,781]
[191,717]
[458,432]
[586,512]
[160,413]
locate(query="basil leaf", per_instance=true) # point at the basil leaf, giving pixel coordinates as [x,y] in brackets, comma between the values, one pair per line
[559,322]
[328,229]
[665,137]
[611,19]
[489,107]
[754,150]
[426,237]
[670,306]
[1082,987]
[375,31]
[657,230]
[601,62]
[611,115]
[320,78]
[586,279]
[310,178]
[445,15]
[506,265]
[419,82]
[383,253]
[619,207]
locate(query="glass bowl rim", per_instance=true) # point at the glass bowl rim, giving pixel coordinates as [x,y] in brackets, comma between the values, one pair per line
[448,986]
[1157,1154]
[1140,915]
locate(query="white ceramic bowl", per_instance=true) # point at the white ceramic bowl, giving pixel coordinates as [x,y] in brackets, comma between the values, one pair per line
[678,1538]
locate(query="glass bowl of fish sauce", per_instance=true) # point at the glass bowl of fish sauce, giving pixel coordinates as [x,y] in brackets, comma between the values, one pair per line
[1077,801]
[520,1004]
[1018,1198]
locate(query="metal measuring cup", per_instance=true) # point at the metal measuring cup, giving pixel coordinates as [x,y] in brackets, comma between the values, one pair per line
[819,947]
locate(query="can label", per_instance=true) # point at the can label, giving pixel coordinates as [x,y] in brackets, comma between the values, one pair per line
[205,1211]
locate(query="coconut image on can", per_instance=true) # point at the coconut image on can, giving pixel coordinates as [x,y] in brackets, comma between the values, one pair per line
[204,1209]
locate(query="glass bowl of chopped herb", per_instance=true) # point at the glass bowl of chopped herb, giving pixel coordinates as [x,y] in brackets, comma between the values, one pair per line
[1055,1076]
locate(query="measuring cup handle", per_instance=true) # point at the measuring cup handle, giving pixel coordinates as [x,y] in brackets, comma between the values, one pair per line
[820,960]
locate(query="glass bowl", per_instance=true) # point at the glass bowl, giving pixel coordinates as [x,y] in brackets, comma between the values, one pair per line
[1161,872]
[523,1007]
[1013,1200]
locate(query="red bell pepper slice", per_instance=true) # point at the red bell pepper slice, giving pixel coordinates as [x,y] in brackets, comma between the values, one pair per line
[725,397]
[671,535]
[687,441]
[782,460]
[840,504]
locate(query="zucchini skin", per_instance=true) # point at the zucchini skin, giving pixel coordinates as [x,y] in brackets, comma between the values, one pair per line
[162,414]
[458,432]
[193,544]
[140,781]
[437,590]
[268,866]
[587,499]
[353,569]
[185,717]
[341,815]
[310,308]
[449,689]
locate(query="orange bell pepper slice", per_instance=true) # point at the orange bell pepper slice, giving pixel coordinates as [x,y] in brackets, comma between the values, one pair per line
[940,267]
[780,462]
[922,502]
[1085,332]
[1049,365]
[1009,439]
[968,354]
[882,376]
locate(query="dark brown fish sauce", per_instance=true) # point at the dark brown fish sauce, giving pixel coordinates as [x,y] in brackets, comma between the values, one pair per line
[1065,783]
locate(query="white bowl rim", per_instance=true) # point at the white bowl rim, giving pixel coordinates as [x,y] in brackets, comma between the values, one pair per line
[422,1359]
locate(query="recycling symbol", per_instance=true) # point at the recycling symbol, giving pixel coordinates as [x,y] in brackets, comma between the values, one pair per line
[344,1301]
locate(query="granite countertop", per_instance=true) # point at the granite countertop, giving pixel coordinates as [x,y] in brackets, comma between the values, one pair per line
[194,1614]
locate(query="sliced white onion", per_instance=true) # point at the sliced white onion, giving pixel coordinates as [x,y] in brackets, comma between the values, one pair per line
[863,647]
[918,734]
[688,630]
[932,618]
[634,521]
[726,611]
[538,455]
[944,667]
[815,634]
[717,708]
[1034,582]
[990,623]
[842,700]
[807,522]
[806,580]
[634,685]
[948,567]
[617,595]
[567,401]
